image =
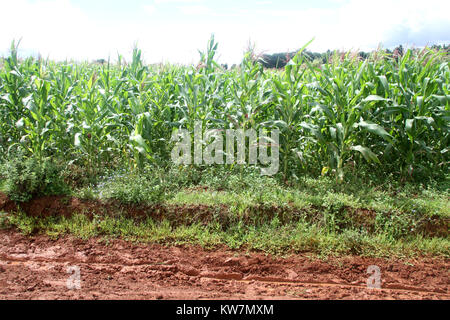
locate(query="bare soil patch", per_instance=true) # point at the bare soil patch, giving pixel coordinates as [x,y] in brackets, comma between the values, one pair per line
[36,268]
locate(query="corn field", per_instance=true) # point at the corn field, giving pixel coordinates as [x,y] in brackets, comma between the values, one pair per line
[386,113]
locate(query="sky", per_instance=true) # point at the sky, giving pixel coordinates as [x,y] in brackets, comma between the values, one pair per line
[174,30]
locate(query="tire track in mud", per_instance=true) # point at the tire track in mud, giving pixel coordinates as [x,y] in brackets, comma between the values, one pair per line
[35,267]
[250,279]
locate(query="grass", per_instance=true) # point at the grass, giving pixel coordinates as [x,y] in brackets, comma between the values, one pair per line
[428,203]
[270,237]
[314,216]
[247,188]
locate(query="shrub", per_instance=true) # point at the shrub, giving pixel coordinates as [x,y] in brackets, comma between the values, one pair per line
[26,178]
[132,188]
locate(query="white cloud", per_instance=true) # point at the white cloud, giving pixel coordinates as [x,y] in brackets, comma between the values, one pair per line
[44,25]
[150,9]
[195,10]
[176,1]
[60,29]
[355,25]
[377,22]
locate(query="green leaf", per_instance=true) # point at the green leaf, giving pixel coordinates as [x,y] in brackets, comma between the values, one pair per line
[366,152]
[77,140]
[385,84]
[141,144]
[374,98]
[409,124]
[375,128]
[19,123]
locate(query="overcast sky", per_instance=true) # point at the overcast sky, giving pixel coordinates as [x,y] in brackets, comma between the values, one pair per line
[173,30]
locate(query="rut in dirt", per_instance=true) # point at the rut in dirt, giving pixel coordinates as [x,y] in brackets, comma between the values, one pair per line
[37,268]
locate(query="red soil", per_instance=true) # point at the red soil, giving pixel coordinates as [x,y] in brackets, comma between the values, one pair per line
[36,268]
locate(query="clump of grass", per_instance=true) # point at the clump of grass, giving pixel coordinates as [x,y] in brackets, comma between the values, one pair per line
[132,189]
[271,237]
[25,178]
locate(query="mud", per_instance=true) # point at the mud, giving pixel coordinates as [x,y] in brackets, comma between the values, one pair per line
[37,268]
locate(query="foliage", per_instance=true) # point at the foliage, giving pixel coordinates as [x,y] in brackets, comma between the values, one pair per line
[28,177]
[335,115]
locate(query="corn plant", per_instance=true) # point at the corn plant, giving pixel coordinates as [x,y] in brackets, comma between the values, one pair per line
[340,113]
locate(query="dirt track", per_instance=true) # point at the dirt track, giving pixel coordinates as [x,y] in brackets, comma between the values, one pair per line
[36,268]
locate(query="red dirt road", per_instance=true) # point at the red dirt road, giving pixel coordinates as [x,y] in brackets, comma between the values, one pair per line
[37,268]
